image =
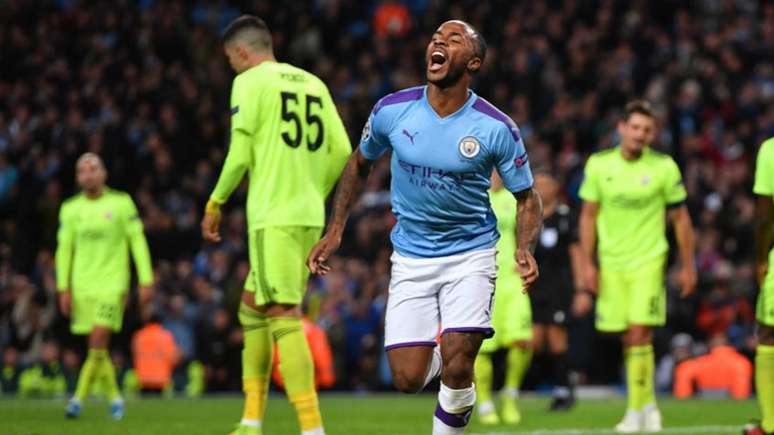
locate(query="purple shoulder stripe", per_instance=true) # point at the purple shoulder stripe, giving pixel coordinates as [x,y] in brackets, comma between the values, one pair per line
[403,96]
[490,110]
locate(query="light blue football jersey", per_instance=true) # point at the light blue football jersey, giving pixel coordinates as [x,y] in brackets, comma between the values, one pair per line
[441,169]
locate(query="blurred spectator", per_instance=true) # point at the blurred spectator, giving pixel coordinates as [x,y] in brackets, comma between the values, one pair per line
[220,344]
[154,356]
[722,370]
[180,320]
[8,178]
[682,348]
[45,378]
[30,318]
[721,309]
[9,378]
[391,18]
[362,321]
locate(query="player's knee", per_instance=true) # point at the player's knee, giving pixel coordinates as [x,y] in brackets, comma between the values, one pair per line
[407,382]
[458,372]
[638,336]
[99,338]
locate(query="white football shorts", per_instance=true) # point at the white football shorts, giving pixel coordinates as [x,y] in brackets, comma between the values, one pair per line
[444,294]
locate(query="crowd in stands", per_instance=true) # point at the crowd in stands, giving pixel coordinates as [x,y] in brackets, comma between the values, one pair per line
[144,84]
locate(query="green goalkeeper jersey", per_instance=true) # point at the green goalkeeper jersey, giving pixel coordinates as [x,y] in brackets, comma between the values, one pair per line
[633,196]
[764,175]
[287,135]
[93,244]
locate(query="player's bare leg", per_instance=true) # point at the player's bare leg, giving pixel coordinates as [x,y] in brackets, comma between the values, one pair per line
[99,338]
[457,395]
[413,367]
[642,413]
[563,394]
[764,381]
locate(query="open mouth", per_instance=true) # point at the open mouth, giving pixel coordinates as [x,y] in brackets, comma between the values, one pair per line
[437,60]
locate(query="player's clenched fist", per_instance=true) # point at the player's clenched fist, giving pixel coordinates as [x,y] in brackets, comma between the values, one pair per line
[321,252]
[527,268]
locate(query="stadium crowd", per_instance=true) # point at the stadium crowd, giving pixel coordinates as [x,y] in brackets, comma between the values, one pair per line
[145,85]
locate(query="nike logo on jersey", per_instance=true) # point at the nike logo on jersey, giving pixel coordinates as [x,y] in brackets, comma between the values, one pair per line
[410,136]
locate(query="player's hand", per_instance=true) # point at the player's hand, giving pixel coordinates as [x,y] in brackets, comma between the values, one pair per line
[687,279]
[321,252]
[581,303]
[761,271]
[145,294]
[65,302]
[211,222]
[590,276]
[527,268]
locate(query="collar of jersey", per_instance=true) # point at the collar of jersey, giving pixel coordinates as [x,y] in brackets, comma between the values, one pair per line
[619,153]
[263,64]
[471,99]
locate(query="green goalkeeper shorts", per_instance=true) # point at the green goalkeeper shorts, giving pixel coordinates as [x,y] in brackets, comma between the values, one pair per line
[764,309]
[511,315]
[631,297]
[278,272]
[90,309]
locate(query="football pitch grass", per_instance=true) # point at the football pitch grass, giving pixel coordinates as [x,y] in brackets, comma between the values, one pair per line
[349,414]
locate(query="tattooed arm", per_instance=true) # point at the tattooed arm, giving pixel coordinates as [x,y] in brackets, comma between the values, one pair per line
[529,219]
[353,177]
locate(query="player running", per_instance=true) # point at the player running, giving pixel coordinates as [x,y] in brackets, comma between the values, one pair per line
[764,236]
[511,318]
[287,135]
[445,143]
[98,228]
[628,191]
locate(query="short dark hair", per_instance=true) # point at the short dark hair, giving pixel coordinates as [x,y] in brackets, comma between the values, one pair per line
[479,45]
[638,106]
[251,30]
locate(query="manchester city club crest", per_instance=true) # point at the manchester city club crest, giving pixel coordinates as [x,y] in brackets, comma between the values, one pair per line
[366,131]
[469,147]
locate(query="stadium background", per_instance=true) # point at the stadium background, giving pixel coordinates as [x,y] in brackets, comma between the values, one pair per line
[145,85]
